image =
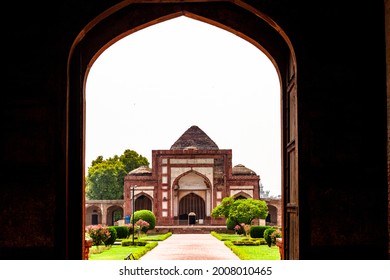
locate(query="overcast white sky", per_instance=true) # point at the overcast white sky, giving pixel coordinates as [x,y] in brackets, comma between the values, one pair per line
[147,89]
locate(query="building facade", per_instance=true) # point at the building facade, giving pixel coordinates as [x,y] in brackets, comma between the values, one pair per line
[187,181]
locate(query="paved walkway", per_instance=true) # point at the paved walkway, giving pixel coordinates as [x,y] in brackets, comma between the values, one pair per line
[190,247]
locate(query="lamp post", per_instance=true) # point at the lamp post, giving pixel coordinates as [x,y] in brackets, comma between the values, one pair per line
[133,211]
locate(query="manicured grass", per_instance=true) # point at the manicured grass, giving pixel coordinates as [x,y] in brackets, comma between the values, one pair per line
[115,252]
[261,252]
[227,236]
[119,252]
[156,237]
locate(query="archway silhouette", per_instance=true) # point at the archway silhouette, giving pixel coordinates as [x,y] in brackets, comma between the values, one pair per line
[143,202]
[114,213]
[233,16]
[191,203]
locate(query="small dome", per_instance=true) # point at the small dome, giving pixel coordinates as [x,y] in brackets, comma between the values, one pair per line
[240,169]
[141,171]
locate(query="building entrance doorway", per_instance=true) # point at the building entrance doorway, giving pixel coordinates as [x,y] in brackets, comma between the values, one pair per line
[191,208]
[95,219]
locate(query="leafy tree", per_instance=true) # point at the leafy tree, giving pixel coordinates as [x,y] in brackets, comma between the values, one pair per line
[99,159]
[248,209]
[132,160]
[241,210]
[106,176]
[105,180]
[223,209]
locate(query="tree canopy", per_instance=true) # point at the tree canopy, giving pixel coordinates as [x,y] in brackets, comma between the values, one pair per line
[132,160]
[105,178]
[241,210]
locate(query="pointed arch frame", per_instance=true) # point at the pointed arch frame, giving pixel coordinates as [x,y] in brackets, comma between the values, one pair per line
[206,180]
[130,16]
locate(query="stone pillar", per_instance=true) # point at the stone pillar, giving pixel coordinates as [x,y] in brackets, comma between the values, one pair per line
[104,214]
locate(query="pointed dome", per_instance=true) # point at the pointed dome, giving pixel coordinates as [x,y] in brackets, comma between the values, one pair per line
[240,169]
[141,171]
[194,139]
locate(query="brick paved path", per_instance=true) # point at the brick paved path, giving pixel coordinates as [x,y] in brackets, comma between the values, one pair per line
[190,247]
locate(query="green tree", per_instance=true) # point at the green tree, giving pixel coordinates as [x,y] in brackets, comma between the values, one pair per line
[223,209]
[132,160]
[105,181]
[241,210]
[105,177]
[248,209]
[99,159]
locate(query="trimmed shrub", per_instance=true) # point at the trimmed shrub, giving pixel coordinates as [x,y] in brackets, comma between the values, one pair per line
[247,242]
[271,234]
[230,224]
[147,216]
[121,231]
[257,231]
[112,238]
[129,242]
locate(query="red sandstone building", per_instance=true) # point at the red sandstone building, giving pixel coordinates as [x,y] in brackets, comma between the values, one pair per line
[187,181]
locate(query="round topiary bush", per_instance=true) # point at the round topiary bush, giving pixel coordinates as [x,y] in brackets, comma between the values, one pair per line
[147,216]
[112,238]
[230,224]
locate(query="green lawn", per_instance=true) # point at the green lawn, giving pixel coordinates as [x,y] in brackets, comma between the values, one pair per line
[262,252]
[118,252]
[115,252]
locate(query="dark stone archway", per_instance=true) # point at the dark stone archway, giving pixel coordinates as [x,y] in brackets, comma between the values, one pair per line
[342,116]
[244,21]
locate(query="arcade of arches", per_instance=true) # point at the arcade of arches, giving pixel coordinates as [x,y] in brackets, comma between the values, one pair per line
[190,179]
[110,212]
